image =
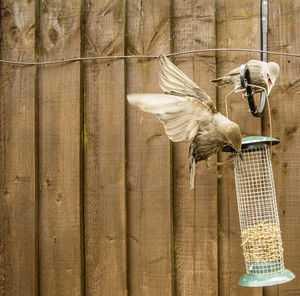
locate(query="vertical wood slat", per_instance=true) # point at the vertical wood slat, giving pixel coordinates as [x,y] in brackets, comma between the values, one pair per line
[284,27]
[195,212]
[104,188]
[17,150]
[59,89]
[238,25]
[148,157]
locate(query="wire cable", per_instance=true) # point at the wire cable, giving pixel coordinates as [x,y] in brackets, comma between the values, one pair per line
[71,60]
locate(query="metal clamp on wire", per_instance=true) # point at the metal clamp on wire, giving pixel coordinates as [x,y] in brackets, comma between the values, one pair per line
[245,81]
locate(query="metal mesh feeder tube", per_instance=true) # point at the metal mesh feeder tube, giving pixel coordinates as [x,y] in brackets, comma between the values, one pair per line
[258,214]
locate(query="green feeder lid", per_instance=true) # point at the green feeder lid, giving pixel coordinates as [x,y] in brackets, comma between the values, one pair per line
[259,140]
[270,279]
[254,141]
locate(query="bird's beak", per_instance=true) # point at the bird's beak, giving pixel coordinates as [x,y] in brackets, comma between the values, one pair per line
[270,85]
[240,155]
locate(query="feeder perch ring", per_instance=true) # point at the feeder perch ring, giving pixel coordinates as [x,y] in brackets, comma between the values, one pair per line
[245,78]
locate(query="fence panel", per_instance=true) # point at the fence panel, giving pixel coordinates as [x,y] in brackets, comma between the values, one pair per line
[104,159]
[238,25]
[284,24]
[17,151]
[59,150]
[195,212]
[148,157]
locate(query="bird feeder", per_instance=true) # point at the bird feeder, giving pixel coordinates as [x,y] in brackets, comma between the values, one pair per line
[258,214]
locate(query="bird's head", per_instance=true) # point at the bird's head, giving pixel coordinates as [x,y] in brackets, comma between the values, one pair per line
[270,75]
[234,138]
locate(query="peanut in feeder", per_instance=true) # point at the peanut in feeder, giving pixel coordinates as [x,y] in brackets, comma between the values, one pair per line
[258,214]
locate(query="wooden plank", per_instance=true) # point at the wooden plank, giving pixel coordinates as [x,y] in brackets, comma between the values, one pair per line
[148,157]
[195,212]
[284,26]
[104,167]
[238,25]
[17,146]
[59,89]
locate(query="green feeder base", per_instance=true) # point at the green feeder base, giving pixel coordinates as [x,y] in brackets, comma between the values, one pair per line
[262,280]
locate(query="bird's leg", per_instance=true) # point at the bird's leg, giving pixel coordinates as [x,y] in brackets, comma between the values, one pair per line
[244,96]
[210,164]
[217,164]
[221,163]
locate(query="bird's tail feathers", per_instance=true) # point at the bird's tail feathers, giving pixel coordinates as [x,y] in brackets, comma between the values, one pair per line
[192,163]
[221,81]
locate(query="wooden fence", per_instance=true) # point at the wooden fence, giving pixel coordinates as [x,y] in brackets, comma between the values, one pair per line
[94,198]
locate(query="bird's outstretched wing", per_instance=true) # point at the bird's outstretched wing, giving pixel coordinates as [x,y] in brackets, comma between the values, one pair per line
[174,82]
[182,116]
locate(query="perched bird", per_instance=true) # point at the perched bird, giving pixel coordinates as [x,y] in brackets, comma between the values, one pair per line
[188,113]
[262,74]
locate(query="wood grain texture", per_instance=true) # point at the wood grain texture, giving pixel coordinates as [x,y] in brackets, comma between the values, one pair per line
[238,25]
[59,88]
[195,212]
[148,157]
[284,26]
[104,160]
[17,151]
[127,197]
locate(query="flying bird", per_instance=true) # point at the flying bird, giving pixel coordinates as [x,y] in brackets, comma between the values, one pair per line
[188,113]
[262,74]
